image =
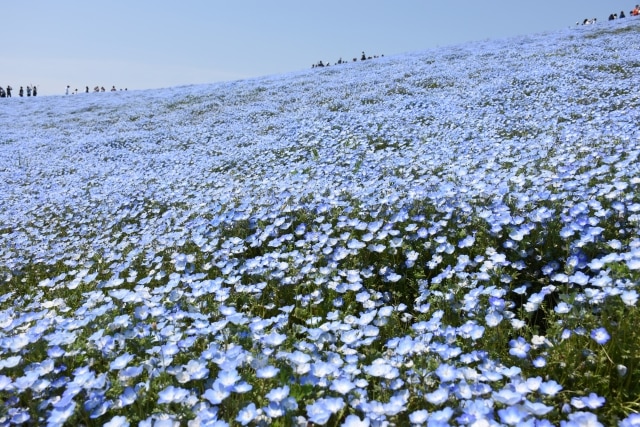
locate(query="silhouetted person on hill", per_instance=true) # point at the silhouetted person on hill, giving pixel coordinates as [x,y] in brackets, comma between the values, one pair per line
[2,94]
[622,15]
[363,57]
[86,90]
[21,91]
[9,89]
[28,90]
[35,90]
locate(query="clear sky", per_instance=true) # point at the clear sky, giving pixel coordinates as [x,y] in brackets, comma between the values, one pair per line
[141,44]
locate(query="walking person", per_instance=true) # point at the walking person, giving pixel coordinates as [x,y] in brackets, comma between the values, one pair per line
[9,89]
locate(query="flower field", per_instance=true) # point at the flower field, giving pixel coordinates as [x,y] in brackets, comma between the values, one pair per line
[447,237]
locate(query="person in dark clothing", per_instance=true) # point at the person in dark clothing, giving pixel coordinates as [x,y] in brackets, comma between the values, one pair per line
[9,89]
[622,15]
[21,91]
[35,90]
[2,94]
[28,90]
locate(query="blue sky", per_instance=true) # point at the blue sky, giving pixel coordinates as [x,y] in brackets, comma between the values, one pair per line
[141,44]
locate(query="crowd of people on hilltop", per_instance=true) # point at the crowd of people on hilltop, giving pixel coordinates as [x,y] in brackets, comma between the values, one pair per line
[363,57]
[31,90]
[68,90]
[612,17]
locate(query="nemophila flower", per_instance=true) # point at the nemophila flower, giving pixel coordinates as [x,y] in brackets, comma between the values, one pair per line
[5,382]
[55,352]
[507,397]
[537,408]
[633,420]
[117,421]
[19,417]
[172,394]
[247,414]
[447,373]
[438,396]
[493,319]
[217,393]
[127,397]
[268,371]
[274,339]
[342,385]
[381,368]
[519,348]
[592,401]
[581,419]
[228,377]
[121,362]
[59,415]
[10,362]
[129,373]
[512,415]
[278,394]
[633,263]
[321,410]
[355,421]
[539,362]
[419,417]
[629,298]
[600,336]
[562,308]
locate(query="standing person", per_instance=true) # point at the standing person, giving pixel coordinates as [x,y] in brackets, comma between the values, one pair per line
[28,90]
[21,92]
[9,89]
[35,90]
[66,92]
[86,90]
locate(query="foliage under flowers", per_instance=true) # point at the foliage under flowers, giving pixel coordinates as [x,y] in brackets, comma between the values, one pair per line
[437,238]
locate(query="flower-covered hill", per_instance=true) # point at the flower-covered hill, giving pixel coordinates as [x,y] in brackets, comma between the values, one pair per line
[440,237]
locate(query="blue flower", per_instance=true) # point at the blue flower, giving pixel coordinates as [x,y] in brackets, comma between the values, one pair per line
[550,388]
[278,394]
[321,410]
[419,417]
[438,396]
[633,420]
[600,336]
[512,415]
[507,397]
[519,348]
[268,371]
[355,421]
[117,421]
[247,414]
[173,394]
[581,419]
